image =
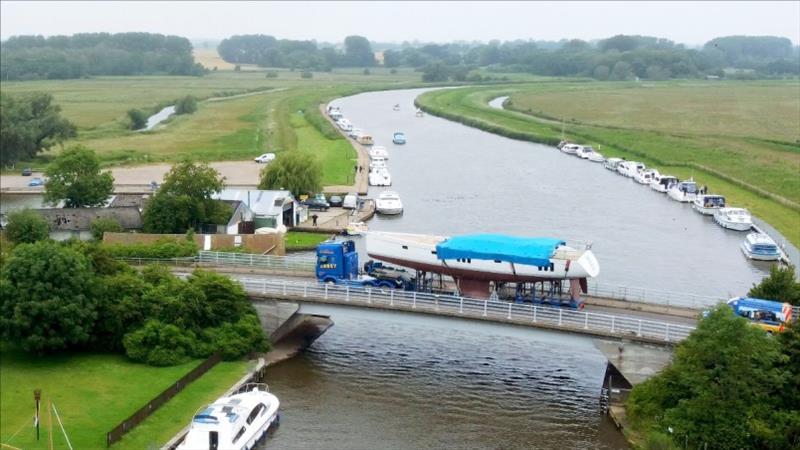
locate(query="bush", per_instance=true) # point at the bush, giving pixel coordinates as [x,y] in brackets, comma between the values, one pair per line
[102,225]
[186,105]
[272,74]
[160,344]
[163,248]
[306,74]
[780,286]
[235,340]
[366,72]
[393,71]
[26,226]
[138,119]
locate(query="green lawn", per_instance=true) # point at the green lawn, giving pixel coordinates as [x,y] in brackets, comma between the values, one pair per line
[94,392]
[297,240]
[752,172]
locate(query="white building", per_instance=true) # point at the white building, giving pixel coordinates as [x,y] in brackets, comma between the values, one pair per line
[264,208]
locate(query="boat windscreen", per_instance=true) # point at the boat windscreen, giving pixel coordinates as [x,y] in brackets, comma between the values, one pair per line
[497,247]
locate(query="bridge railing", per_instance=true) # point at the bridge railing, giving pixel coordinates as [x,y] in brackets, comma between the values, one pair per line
[643,295]
[288,263]
[544,316]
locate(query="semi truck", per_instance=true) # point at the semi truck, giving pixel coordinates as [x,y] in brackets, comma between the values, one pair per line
[769,315]
[337,262]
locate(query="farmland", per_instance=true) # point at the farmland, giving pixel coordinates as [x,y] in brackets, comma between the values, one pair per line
[740,139]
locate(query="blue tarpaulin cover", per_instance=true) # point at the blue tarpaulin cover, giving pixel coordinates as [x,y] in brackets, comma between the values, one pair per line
[498,247]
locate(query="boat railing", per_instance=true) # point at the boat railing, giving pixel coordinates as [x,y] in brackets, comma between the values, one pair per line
[250,387]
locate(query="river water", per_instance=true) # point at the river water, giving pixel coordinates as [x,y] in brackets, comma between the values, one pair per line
[385,380]
[455,179]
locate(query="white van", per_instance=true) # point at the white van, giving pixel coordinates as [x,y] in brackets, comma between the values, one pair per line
[350,201]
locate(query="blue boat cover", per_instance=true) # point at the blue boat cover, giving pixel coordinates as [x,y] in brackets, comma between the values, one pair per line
[498,247]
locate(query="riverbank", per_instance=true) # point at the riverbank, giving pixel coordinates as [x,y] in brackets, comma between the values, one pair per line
[470,107]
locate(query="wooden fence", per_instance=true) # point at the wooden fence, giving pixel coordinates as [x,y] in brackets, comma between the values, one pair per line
[159,400]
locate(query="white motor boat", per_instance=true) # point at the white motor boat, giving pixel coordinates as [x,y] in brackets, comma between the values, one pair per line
[630,168]
[683,191]
[571,149]
[345,125]
[356,228]
[388,202]
[662,183]
[708,204]
[645,176]
[419,113]
[377,162]
[761,247]
[380,177]
[595,157]
[378,151]
[738,219]
[396,107]
[612,163]
[235,422]
[583,151]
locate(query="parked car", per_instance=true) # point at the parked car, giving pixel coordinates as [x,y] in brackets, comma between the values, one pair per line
[316,204]
[26,172]
[350,201]
[265,158]
[36,182]
[335,200]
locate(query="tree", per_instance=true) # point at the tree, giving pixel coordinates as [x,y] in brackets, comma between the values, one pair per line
[601,73]
[720,389]
[74,176]
[184,200]
[102,225]
[48,297]
[160,344]
[358,52]
[29,124]
[186,105]
[138,119]
[780,286]
[296,171]
[26,226]
[621,71]
[435,72]
[227,299]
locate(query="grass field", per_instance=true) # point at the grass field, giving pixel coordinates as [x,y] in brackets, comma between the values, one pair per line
[296,240]
[94,392]
[758,171]
[255,114]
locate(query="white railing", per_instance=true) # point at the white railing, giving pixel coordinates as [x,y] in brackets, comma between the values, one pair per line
[289,263]
[306,264]
[532,315]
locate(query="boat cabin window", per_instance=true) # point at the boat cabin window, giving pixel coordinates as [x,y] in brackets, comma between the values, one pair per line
[239,434]
[255,412]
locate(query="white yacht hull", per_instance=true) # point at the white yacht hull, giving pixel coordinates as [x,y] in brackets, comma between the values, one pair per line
[419,252]
[730,225]
[759,256]
[710,211]
[681,196]
[390,210]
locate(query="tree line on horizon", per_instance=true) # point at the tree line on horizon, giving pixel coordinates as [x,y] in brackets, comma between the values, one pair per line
[621,57]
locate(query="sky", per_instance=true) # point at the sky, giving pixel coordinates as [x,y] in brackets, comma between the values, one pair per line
[691,23]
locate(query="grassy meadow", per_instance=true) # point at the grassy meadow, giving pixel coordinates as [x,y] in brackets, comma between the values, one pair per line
[241,115]
[699,129]
[94,392]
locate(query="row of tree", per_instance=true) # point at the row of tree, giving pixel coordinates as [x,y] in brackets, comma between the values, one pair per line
[267,51]
[74,296]
[730,385]
[90,54]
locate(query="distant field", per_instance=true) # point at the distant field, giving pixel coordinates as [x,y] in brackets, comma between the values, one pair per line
[757,171]
[765,110]
[210,59]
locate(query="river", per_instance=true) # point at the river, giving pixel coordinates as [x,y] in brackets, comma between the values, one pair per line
[455,179]
[384,380]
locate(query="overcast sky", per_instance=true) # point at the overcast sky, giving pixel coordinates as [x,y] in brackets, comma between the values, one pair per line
[691,23]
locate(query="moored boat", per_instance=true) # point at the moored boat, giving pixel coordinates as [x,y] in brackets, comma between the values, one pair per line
[683,191]
[378,151]
[612,163]
[235,422]
[630,168]
[708,204]
[380,177]
[761,247]
[645,176]
[571,149]
[662,183]
[738,219]
[389,203]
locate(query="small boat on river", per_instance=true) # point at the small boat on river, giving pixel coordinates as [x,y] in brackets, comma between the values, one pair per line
[399,138]
[571,149]
[645,176]
[396,107]
[380,176]
[612,163]
[419,113]
[662,183]
[389,203]
[630,168]
[683,191]
[378,151]
[761,247]
[235,422]
[738,219]
[708,204]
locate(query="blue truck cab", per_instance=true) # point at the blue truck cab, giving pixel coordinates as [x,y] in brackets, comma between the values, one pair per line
[337,261]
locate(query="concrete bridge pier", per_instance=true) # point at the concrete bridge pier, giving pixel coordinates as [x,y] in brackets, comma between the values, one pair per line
[289,330]
[629,364]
